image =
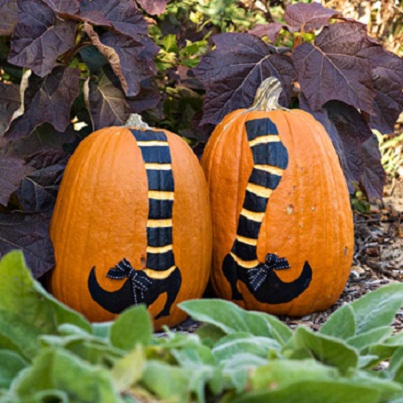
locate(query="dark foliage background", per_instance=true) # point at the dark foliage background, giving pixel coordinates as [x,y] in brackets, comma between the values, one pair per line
[68,68]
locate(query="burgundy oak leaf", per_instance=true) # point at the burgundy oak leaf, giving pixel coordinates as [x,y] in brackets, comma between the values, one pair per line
[308,17]
[43,139]
[64,6]
[373,177]
[351,137]
[271,30]
[38,190]
[122,15]
[108,105]
[39,37]
[8,16]
[12,170]
[387,79]
[132,61]
[333,68]
[29,233]
[47,100]
[232,73]
[9,103]
[153,7]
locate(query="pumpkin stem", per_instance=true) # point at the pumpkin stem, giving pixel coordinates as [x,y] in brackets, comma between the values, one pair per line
[136,121]
[267,96]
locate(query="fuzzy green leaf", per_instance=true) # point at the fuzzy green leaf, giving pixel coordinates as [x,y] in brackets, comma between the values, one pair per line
[131,327]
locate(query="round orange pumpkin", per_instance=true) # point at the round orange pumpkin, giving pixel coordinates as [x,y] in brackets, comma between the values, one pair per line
[282,223]
[132,224]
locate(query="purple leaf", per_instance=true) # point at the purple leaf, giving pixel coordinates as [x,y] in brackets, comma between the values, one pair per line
[42,140]
[351,137]
[12,170]
[122,15]
[387,79]
[38,190]
[153,7]
[271,30]
[9,103]
[308,17]
[8,16]
[233,71]
[64,6]
[132,61]
[47,100]
[373,177]
[30,233]
[334,68]
[108,105]
[39,38]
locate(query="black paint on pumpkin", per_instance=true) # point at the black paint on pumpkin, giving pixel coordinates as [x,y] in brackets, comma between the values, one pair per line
[270,159]
[139,287]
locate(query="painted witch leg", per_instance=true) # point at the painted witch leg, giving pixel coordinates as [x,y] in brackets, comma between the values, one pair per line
[161,274]
[270,160]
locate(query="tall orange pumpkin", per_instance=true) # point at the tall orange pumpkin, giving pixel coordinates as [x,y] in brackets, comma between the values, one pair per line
[132,224]
[282,223]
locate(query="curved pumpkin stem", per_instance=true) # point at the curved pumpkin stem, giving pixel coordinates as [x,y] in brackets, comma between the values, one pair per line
[136,121]
[267,96]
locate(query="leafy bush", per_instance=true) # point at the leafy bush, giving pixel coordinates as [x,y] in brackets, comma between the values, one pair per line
[49,352]
[68,68]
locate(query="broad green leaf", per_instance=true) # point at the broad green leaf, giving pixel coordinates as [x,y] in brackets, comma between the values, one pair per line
[366,339]
[193,356]
[57,369]
[280,331]
[378,308]
[226,316]
[387,388]
[340,323]
[237,368]
[18,335]
[327,349]
[101,329]
[167,381]
[11,364]
[242,342]
[396,365]
[131,327]
[368,361]
[313,391]
[21,294]
[129,369]
[210,334]
[280,373]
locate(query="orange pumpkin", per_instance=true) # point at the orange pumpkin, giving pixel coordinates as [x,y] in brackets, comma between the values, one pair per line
[132,224]
[282,223]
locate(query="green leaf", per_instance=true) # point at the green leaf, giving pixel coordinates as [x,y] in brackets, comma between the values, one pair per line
[57,369]
[395,369]
[24,296]
[236,369]
[167,381]
[11,364]
[18,335]
[243,342]
[129,369]
[340,323]
[227,316]
[131,327]
[328,350]
[366,339]
[378,308]
[210,334]
[280,373]
[313,391]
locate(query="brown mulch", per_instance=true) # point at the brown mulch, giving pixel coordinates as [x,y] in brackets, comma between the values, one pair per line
[378,259]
